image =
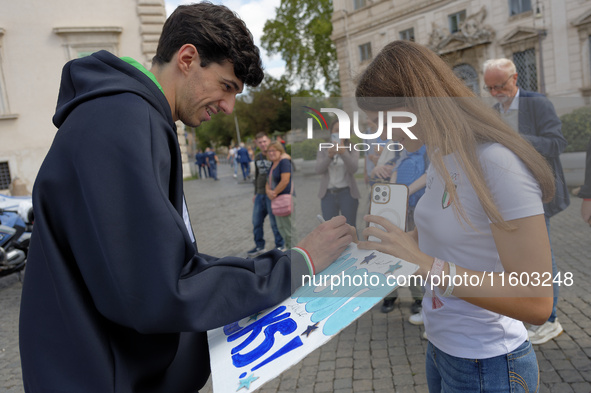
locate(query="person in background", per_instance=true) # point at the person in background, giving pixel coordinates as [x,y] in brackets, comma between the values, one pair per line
[117,296]
[232,159]
[261,202]
[585,190]
[200,162]
[281,140]
[280,182]
[338,188]
[212,163]
[251,162]
[481,215]
[371,157]
[407,168]
[244,160]
[534,117]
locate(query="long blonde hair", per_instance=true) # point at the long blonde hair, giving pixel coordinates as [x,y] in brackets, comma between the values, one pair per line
[406,74]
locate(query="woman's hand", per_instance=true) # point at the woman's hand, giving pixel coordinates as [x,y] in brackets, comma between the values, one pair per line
[332,152]
[395,242]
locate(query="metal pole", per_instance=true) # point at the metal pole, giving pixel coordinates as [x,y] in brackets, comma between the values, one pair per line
[237,128]
[539,13]
[541,33]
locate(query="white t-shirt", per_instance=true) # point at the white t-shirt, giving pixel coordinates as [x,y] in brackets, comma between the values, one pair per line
[459,328]
[337,173]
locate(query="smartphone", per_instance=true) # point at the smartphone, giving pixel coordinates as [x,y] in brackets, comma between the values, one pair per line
[391,202]
[334,138]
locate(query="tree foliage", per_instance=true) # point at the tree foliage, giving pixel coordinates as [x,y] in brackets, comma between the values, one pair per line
[300,33]
[576,128]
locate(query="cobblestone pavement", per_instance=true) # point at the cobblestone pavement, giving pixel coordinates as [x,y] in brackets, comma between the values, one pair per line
[379,352]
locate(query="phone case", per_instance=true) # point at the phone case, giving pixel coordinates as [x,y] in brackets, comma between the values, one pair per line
[389,201]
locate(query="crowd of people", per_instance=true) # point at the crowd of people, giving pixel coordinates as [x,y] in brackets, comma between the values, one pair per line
[115,310]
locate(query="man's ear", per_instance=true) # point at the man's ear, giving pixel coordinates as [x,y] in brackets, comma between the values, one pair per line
[186,56]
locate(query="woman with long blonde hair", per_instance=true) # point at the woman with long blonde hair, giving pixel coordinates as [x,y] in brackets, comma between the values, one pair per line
[480,240]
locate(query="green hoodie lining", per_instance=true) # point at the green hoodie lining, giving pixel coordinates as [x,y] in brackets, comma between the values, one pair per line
[143,69]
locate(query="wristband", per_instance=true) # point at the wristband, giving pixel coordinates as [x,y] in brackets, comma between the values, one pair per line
[437,267]
[436,270]
[452,274]
[307,258]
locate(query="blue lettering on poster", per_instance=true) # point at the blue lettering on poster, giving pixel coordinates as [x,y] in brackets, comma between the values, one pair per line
[270,324]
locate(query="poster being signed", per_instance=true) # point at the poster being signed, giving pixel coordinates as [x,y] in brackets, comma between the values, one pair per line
[246,354]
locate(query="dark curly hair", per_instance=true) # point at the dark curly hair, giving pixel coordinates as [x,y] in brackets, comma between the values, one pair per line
[217,33]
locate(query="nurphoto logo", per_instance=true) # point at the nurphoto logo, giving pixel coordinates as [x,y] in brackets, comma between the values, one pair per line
[345,127]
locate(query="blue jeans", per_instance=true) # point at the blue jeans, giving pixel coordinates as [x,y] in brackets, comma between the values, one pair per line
[516,371]
[213,171]
[555,286]
[340,201]
[204,169]
[262,207]
[245,166]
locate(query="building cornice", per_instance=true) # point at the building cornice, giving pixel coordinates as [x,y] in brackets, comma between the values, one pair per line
[357,23]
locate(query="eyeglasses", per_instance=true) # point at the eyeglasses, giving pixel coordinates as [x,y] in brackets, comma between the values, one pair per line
[498,87]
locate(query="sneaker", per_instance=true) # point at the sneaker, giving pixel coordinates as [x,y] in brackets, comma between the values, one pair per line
[425,335]
[282,248]
[416,307]
[255,252]
[544,333]
[388,304]
[416,319]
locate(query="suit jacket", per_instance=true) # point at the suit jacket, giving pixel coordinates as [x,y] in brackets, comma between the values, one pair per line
[539,124]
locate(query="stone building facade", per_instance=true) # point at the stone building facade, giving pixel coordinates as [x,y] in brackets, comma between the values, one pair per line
[36,39]
[549,40]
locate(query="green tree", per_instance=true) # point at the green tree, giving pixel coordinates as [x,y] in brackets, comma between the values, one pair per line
[576,128]
[300,33]
[269,107]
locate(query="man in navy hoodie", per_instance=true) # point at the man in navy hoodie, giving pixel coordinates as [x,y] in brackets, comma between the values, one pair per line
[117,297]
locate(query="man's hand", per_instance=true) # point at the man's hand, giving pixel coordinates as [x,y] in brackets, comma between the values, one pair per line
[328,241]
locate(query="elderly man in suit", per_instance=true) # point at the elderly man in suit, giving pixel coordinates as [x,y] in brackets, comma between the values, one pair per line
[533,115]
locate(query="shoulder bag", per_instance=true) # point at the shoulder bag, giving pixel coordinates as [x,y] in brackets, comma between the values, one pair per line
[282,205]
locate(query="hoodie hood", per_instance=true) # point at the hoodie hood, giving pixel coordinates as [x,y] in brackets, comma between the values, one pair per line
[103,74]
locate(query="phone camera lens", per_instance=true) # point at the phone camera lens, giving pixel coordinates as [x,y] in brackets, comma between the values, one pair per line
[377,198]
[384,194]
[377,189]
